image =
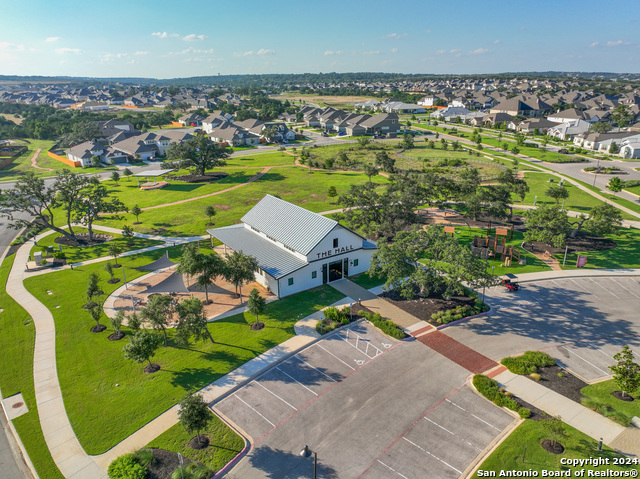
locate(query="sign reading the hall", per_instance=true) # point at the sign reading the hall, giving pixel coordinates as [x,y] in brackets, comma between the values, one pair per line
[331,252]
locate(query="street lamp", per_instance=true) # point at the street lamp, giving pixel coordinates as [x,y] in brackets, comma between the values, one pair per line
[596,175]
[306,452]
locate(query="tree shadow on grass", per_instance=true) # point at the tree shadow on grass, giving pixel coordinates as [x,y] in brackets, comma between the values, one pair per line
[272,177]
[276,463]
[191,379]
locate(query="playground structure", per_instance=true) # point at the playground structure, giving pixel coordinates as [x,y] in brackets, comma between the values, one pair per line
[495,247]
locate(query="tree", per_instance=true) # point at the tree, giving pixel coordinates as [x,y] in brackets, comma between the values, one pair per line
[455,145]
[210,266]
[626,373]
[515,150]
[31,196]
[554,428]
[136,211]
[96,314]
[115,176]
[194,414]
[199,153]
[114,250]
[95,161]
[240,269]
[189,262]
[93,291]
[600,127]
[614,148]
[603,219]
[282,149]
[128,173]
[385,162]
[109,269]
[116,322]
[158,313]
[615,185]
[141,347]
[127,233]
[134,321]
[256,304]
[557,192]
[407,141]
[363,141]
[83,131]
[210,211]
[547,224]
[69,192]
[622,115]
[431,144]
[95,202]
[192,322]
[269,133]
[332,192]
[370,171]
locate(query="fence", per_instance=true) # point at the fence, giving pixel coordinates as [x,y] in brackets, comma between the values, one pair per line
[66,161]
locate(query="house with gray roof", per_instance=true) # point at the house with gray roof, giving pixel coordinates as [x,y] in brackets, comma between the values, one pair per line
[296,249]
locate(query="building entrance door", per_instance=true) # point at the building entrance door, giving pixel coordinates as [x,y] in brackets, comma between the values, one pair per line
[335,271]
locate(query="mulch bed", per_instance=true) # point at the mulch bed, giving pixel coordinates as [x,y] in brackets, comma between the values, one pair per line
[164,463]
[583,242]
[423,308]
[98,328]
[536,414]
[207,177]
[621,397]
[198,444]
[116,336]
[113,280]
[257,326]
[554,448]
[567,385]
[152,368]
[83,240]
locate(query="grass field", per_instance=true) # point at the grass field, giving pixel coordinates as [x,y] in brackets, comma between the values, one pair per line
[625,255]
[84,253]
[602,392]
[108,397]
[224,444]
[261,160]
[510,454]
[17,337]
[293,184]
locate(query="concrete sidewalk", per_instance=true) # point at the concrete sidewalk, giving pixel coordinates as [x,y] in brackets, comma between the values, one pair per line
[576,415]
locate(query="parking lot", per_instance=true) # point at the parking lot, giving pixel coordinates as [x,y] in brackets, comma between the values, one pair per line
[286,388]
[444,441]
[582,322]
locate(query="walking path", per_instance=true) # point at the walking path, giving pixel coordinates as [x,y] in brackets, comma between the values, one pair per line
[34,161]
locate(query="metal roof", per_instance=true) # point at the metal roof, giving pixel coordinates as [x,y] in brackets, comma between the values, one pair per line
[289,224]
[153,173]
[272,259]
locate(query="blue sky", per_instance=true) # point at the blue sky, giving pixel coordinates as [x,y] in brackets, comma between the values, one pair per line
[169,39]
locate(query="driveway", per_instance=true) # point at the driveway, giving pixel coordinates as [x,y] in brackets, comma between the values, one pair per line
[369,406]
[582,322]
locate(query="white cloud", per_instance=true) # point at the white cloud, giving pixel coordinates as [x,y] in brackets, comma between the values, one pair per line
[478,51]
[441,52]
[372,52]
[331,52]
[251,53]
[165,35]
[617,43]
[396,35]
[193,60]
[110,57]
[191,50]
[427,31]
[7,50]
[497,42]
[192,37]
[52,39]
[394,50]
[594,44]
[453,51]
[141,53]
[68,51]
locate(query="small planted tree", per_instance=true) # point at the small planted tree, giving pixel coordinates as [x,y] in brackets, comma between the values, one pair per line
[93,291]
[240,269]
[116,324]
[127,233]
[332,192]
[192,322]
[370,171]
[626,373]
[210,211]
[158,313]
[136,211]
[96,313]
[109,269]
[127,172]
[142,347]
[115,176]
[210,267]
[194,415]
[615,185]
[554,430]
[114,250]
[557,193]
[134,322]
[256,304]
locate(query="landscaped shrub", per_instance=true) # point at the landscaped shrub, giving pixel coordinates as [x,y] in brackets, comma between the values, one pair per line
[387,327]
[607,411]
[126,467]
[448,315]
[144,456]
[535,376]
[192,471]
[618,417]
[489,388]
[524,412]
[528,363]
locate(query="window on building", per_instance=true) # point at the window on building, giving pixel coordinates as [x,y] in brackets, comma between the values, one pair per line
[290,281]
[314,274]
[335,242]
[355,262]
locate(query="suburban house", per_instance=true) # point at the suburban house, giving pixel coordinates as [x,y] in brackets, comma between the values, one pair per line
[522,106]
[214,120]
[296,249]
[113,127]
[568,129]
[382,123]
[232,135]
[600,141]
[191,119]
[630,147]
[401,107]
[530,126]
[494,119]
[84,153]
[428,101]
[566,115]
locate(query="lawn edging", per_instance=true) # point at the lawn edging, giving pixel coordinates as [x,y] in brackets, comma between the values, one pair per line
[457,321]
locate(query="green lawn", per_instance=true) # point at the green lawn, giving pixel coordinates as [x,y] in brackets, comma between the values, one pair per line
[224,444]
[633,189]
[366,281]
[261,160]
[625,255]
[107,397]
[22,164]
[292,184]
[509,455]
[17,337]
[84,253]
[602,392]
[130,193]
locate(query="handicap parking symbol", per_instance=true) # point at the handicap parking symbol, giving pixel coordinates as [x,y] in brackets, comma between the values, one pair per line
[359,362]
[386,345]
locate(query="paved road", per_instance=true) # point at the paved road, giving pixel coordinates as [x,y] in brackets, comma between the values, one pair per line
[11,463]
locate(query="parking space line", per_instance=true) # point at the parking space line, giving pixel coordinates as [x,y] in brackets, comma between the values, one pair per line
[392,469]
[278,368]
[268,390]
[610,292]
[624,287]
[360,338]
[325,349]
[254,410]
[453,433]
[588,362]
[606,354]
[487,423]
[454,404]
[584,290]
[311,366]
[433,455]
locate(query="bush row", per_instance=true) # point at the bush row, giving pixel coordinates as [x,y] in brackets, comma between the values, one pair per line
[134,466]
[387,327]
[607,411]
[528,363]
[447,315]
[333,318]
[489,388]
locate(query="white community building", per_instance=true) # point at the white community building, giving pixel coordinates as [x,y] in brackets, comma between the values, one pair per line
[296,249]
